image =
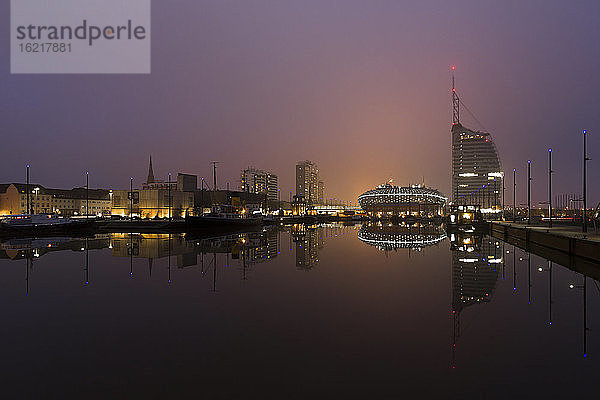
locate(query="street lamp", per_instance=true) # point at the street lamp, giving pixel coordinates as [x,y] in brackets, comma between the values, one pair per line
[495,197]
[514,194]
[550,188]
[131,198]
[214,163]
[202,195]
[482,196]
[529,285]
[549,270]
[27,191]
[36,190]
[529,192]
[169,194]
[87,194]
[585,328]
[503,205]
[585,160]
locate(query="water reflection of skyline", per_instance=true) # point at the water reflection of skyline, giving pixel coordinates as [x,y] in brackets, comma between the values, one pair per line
[257,246]
[248,248]
[16,249]
[477,261]
[388,236]
[477,267]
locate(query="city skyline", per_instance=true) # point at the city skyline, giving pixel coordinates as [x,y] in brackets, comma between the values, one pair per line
[350,88]
[212,198]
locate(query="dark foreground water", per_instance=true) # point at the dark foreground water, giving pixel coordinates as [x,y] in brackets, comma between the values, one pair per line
[321,312]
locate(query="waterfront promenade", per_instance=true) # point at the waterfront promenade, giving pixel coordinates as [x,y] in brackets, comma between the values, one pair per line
[566,245]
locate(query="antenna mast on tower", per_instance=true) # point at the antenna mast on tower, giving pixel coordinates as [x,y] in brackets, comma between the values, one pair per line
[455,103]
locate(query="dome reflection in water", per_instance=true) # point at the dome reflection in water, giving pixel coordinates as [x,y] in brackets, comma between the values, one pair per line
[389,236]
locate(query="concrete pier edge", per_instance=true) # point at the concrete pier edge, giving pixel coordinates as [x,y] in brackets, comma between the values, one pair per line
[570,249]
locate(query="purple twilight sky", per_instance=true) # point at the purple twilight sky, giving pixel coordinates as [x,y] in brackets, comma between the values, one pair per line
[360,87]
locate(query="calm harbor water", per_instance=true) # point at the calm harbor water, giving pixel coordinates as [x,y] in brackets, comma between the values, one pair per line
[334,311]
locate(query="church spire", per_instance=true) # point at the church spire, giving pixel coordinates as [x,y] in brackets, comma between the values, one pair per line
[150,172]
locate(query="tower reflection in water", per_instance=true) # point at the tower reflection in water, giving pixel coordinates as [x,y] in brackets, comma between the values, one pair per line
[476,260]
[309,240]
[388,236]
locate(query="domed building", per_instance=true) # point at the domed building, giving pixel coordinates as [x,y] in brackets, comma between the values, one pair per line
[395,201]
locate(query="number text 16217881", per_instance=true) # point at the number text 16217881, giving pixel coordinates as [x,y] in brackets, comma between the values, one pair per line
[45,47]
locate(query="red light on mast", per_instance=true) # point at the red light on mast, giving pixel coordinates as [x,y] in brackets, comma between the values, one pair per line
[453,67]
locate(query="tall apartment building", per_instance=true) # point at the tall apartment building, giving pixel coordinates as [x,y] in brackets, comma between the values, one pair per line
[259,182]
[307,182]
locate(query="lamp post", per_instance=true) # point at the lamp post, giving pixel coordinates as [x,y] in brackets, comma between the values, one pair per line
[131,198]
[484,196]
[529,192]
[503,189]
[202,193]
[549,270]
[27,190]
[514,194]
[585,328]
[214,163]
[529,278]
[87,194]
[585,160]
[550,188]
[37,191]
[495,197]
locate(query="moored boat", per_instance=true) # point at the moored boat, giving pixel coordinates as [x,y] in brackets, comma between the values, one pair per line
[38,224]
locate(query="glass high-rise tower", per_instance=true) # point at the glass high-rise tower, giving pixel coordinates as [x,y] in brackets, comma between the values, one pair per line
[476,169]
[477,176]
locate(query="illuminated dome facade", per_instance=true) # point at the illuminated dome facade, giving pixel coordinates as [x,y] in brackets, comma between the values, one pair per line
[416,200]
